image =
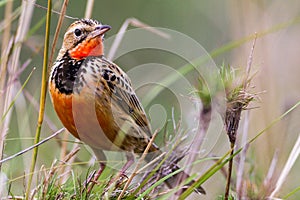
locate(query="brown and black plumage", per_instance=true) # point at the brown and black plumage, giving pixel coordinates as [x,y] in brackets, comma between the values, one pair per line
[94,98]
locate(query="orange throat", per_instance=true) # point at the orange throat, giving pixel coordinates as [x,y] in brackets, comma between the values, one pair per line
[89,47]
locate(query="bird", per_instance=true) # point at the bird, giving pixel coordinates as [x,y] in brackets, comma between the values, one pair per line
[94,98]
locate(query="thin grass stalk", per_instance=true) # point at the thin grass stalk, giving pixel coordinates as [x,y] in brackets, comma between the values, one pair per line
[42,100]
[293,192]
[66,170]
[5,41]
[211,171]
[6,112]
[31,147]
[35,105]
[157,167]
[275,121]
[57,30]
[164,157]
[23,27]
[219,164]
[14,16]
[54,168]
[153,92]
[136,23]
[228,180]
[159,182]
[233,115]
[241,163]
[269,180]
[89,9]
[287,167]
[138,165]
[204,120]
[23,121]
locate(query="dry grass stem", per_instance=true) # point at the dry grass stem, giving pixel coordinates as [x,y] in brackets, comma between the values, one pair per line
[32,147]
[35,104]
[204,120]
[55,12]
[242,157]
[89,9]
[136,23]
[23,27]
[237,101]
[58,27]
[42,99]
[134,173]
[287,167]
[269,179]
[5,47]
[55,167]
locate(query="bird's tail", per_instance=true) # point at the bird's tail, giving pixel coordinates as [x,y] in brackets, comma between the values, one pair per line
[171,166]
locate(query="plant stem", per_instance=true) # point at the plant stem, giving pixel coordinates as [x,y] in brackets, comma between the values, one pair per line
[229,172]
[42,100]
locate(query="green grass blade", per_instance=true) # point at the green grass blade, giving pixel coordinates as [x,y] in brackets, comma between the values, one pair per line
[293,192]
[15,98]
[203,59]
[42,98]
[275,121]
[211,171]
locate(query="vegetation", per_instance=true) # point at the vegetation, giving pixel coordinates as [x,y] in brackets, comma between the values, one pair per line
[253,156]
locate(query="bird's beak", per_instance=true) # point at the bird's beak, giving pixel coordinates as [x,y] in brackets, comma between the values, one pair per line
[100,30]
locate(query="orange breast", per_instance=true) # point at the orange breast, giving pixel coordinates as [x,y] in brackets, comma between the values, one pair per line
[85,118]
[63,106]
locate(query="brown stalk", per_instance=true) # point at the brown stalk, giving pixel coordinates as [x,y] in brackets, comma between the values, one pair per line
[89,9]
[55,167]
[134,173]
[42,100]
[235,105]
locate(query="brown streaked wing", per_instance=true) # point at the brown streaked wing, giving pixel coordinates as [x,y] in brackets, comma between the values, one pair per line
[124,95]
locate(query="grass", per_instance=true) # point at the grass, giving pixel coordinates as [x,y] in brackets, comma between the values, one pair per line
[64,179]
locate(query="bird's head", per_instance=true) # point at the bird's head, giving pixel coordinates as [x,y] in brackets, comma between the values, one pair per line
[84,38]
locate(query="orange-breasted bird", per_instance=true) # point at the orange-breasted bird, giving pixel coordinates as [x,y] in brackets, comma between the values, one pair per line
[94,98]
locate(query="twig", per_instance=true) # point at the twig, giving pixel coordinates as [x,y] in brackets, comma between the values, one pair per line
[35,104]
[24,23]
[31,147]
[151,163]
[269,179]
[55,12]
[54,168]
[134,22]
[5,45]
[203,124]
[241,163]
[138,165]
[15,97]
[89,9]
[287,167]
[42,99]
[57,30]
[209,172]
[233,114]
[249,63]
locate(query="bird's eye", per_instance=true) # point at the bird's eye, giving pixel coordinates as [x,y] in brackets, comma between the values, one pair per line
[77,32]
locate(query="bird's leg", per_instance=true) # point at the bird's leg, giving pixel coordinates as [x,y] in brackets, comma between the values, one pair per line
[96,176]
[101,159]
[121,174]
[130,160]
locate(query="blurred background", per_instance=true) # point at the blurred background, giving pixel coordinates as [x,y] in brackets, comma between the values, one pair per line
[213,24]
